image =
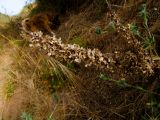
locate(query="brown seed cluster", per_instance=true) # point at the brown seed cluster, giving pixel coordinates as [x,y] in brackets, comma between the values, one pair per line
[139,60]
[54,47]
[69,52]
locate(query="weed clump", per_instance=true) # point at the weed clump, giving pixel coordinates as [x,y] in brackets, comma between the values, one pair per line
[9,89]
[79,41]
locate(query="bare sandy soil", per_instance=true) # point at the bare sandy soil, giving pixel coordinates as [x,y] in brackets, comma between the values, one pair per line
[5,64]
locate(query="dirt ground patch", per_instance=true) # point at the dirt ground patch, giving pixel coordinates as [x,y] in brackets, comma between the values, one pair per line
[5,64]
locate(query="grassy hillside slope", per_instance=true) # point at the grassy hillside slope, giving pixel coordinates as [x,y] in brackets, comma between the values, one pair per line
[106,66]
[3,19]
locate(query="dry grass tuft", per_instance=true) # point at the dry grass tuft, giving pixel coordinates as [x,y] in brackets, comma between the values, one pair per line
[37,77]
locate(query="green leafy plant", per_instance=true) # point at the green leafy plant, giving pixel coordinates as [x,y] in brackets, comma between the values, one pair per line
[111,26]
[148,41]
[79,41]
[26,116]
[144,14]
[55,78]
[134,29]
[98,31]
[104,77]
[122,83]
[9,89]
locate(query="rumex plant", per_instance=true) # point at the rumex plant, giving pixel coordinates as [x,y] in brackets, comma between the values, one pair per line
[69,52]
[148,41]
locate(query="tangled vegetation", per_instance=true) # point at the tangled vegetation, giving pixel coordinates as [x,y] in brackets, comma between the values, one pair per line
[101,63]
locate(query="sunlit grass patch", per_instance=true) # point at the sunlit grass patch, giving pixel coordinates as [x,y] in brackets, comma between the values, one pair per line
[9,89]
[26,116]
[2,43]
[19,43]
[79,41]
[54,77]
[47,73]
[1,48]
